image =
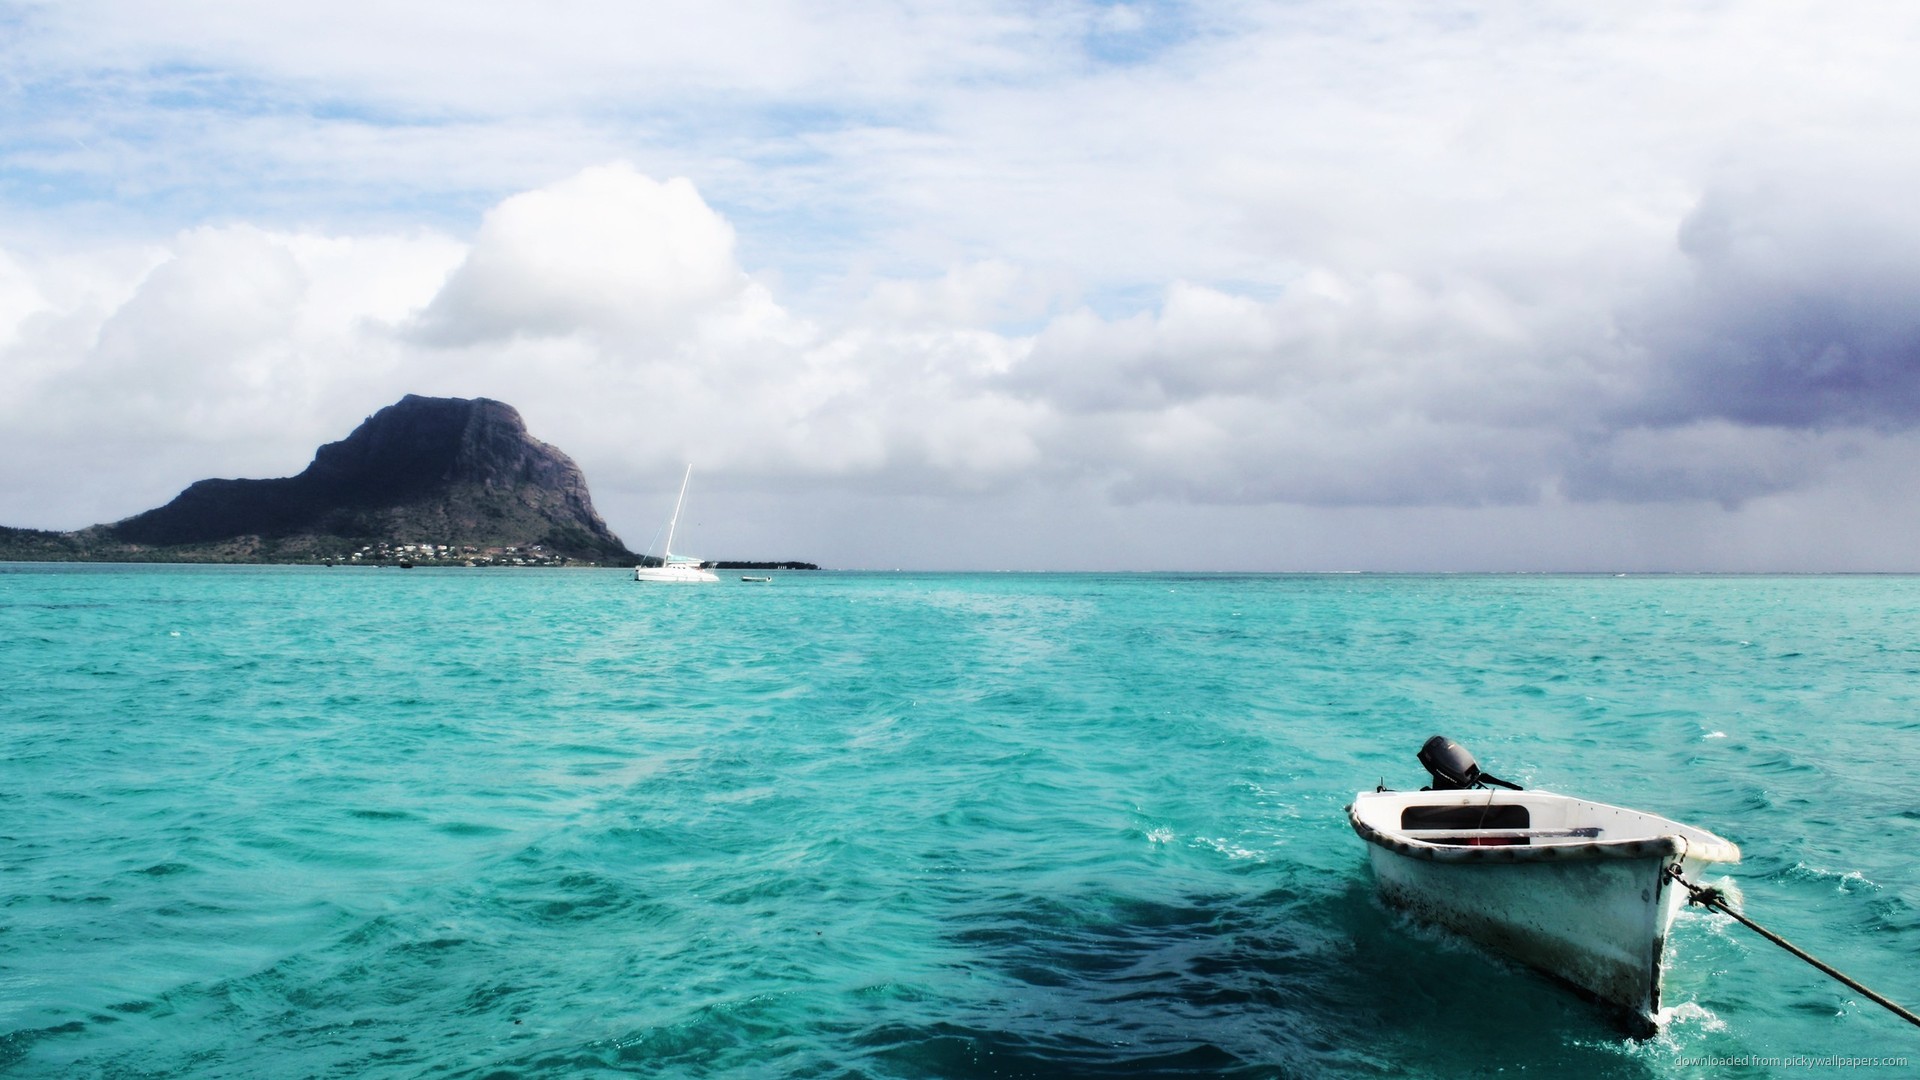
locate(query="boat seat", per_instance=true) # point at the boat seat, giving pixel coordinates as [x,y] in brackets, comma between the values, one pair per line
[1504,816]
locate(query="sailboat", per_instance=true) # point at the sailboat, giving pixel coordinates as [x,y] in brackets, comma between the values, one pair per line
[676,569]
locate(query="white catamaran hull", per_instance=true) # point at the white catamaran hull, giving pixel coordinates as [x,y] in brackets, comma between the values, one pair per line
[678,574]
[1579,891]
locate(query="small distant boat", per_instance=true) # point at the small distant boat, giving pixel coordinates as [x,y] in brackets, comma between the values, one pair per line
[1579,890]
[676,569]
[745,577]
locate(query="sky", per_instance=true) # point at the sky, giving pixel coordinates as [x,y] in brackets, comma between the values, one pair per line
[1438,286]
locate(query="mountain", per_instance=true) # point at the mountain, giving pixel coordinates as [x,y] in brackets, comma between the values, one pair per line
[458,472]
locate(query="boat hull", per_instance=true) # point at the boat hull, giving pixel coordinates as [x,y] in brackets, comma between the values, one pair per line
[1599,925]
[674,575]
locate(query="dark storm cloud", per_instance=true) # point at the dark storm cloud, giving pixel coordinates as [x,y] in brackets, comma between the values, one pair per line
[1788,343]
[1803,312]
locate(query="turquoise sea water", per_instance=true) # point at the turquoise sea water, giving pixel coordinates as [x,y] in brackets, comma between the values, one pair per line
[478,823]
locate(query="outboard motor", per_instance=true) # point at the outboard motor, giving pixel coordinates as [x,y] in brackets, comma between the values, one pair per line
[1453,769]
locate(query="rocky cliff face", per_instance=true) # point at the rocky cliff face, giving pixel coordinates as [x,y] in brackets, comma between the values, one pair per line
[425,470]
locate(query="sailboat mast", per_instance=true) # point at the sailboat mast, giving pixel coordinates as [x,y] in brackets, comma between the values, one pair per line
[675,521]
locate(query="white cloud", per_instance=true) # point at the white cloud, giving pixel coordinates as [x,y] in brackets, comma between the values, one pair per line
[19,298]
[987,293]
[608,307]
[231,351]
[607,250]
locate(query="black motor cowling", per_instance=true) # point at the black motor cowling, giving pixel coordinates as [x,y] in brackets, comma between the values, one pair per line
[1453,769]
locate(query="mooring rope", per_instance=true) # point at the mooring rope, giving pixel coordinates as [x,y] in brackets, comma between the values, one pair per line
[1712,899]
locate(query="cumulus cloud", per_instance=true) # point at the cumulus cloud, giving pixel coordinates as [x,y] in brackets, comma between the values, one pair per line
[228,351]
[213,316]
[983,294]
[19,298]
[609,307]
[608,250]
[1337,392]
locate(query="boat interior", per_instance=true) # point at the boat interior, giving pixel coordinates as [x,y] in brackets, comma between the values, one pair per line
[1509,819]
[1466,807]
[1532,818]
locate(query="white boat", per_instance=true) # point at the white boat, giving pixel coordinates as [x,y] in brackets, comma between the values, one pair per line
[676,569]
[1576,889]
